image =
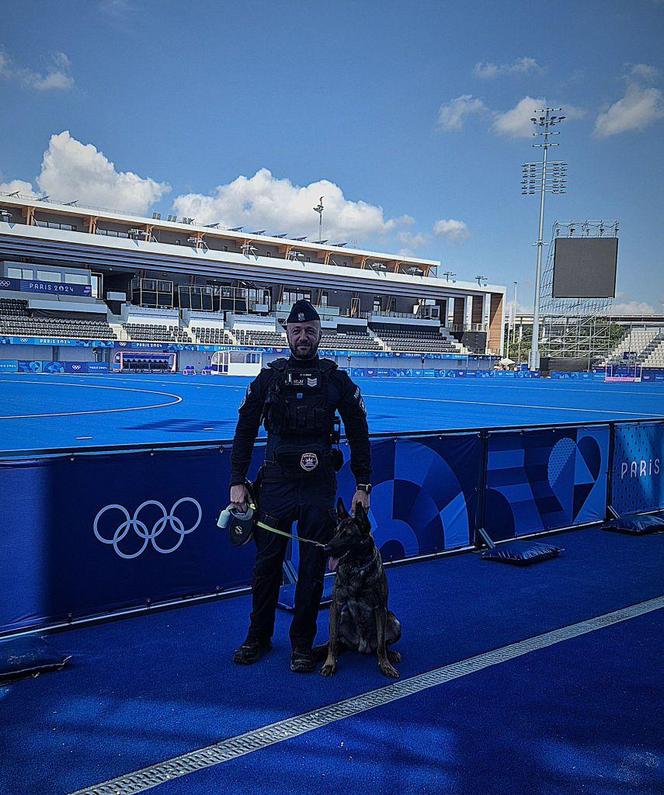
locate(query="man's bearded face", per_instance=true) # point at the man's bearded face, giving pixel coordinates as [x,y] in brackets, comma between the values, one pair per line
[303,338]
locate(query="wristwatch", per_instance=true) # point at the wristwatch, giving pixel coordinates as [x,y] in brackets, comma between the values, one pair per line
[365,487]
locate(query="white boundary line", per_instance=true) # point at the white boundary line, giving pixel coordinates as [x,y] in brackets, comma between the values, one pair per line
[257,739]
[176,399]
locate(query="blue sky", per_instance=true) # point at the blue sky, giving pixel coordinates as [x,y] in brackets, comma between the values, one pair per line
[410,118]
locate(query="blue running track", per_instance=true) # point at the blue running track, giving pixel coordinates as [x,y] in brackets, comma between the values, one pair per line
[39,411]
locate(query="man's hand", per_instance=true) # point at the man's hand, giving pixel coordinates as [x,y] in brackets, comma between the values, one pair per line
[239,495]
[360,498]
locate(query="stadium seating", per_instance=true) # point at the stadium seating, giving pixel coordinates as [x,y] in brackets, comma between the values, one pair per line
[653,355]
[16,319]
[417,340]
[350,339]
[210,335]
[156,332]
[267,339]
[634,341]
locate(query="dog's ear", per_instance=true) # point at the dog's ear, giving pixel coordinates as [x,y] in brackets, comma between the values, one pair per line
[362,519]
[342,513]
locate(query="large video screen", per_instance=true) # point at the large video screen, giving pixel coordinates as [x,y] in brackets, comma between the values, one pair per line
[585,267]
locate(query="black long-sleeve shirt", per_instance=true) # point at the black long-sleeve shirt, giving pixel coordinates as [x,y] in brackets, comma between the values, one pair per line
[343,395]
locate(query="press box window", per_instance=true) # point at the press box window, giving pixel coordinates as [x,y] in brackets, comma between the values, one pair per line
[49,276]
[77,278]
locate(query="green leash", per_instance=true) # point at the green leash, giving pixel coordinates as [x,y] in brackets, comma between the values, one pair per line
[288,535]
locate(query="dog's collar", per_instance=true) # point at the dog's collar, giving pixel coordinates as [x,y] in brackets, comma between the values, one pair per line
[369,563]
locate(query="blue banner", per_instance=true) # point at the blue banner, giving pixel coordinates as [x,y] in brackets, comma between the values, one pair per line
[47,288]
[96,533]
[8,365]
[57,342]
[29,366]
[545,479]
[637,480]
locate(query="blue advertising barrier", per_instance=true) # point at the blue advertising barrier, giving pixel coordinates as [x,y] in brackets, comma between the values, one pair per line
[33,366]
[539,480]
[89,534]
[93,532]
[637,481]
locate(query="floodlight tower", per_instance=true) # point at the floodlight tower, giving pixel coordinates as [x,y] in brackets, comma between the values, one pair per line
[551,178]
[319,209]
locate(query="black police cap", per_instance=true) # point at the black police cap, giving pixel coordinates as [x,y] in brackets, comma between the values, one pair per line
[301,312]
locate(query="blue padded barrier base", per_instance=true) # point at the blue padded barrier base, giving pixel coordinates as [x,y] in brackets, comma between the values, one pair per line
[287,595]
[522,553]
[636,525]
[28,656]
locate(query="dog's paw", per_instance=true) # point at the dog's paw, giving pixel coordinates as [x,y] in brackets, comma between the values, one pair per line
[388,669]
[393,656]
[329,668]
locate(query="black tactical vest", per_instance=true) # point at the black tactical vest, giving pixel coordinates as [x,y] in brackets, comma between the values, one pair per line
[297,403]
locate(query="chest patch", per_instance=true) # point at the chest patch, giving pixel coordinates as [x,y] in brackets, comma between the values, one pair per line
[308,461]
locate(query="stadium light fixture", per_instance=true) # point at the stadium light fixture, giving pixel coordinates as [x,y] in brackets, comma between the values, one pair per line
[248,250]
[319,209]
[71,203]
[236,229]
[547,178]
[43,198]
[283,234]
[481,281]
[448,276]
[339,245]
[300,239]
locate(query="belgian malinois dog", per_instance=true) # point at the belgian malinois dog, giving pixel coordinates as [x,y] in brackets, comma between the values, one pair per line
[359,618]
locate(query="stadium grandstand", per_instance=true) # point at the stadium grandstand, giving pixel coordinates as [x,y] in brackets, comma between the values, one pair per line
[81,284]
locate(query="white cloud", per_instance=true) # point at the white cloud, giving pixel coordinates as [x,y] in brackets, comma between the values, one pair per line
[23,187]
[643,71]
[631,308]
[264,201]
[413,240]
[57,76]
[516,122]
[639,108]
[456,231]
[72,170]
[521,66]
[451,117]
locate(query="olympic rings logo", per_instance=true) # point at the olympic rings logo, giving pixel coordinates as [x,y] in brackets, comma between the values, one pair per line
[147,536]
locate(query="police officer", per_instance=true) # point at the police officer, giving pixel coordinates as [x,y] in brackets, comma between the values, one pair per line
[296,399]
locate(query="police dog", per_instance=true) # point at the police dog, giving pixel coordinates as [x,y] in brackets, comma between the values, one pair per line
[359,618]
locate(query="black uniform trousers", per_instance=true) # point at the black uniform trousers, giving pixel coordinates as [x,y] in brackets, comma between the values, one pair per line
[282,499]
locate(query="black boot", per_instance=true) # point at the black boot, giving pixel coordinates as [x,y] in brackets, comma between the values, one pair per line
[251,651]
[303,661]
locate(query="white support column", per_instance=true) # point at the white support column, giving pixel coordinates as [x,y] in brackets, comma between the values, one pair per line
[486,311]
[467,312]
[449,320]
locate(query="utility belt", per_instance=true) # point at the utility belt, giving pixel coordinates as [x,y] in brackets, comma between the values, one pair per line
[302,459]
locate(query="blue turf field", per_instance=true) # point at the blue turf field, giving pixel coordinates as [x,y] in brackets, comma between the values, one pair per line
[40,411]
